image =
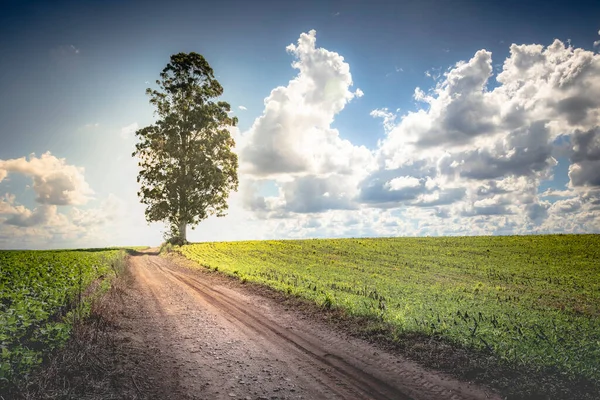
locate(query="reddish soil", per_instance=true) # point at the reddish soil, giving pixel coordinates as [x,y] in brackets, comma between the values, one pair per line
[213,338]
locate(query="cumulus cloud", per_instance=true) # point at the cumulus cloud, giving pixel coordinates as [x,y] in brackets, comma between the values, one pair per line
[46,227]
[310,194]
[389,118]
[111,209]
[507,137]
[585,158]
[54,181]
[471,155]
[553,85]
[242,108]
[524,152]
[293,136]
[293,143]
[402,182]
[21,226]
[58,186]
[7,202]
[24,217]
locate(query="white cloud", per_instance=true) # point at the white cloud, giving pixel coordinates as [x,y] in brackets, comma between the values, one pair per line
[388,117]
[110,210]
[505,136]
[402,182]
[472,157]
[294,135]
[107,224]
[41,216]
[242,108]
[294,144]
[129,130]
[54,181]
[7,204]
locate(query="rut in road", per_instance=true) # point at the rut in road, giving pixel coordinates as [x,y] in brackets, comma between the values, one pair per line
[224,341]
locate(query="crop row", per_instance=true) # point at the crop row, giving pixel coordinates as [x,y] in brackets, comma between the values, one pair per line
[40,295]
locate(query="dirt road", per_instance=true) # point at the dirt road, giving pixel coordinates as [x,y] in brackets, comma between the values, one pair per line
[219,340]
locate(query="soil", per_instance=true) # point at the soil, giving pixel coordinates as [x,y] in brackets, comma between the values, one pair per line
[208,337]
[167,331]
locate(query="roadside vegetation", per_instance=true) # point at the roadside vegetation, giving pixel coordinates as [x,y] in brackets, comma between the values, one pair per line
[526,304]
[42,295]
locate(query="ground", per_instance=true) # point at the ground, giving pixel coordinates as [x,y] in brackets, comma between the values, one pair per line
[219,339]
[182,333]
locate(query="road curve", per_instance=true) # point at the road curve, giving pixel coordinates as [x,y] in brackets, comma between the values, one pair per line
[223,341]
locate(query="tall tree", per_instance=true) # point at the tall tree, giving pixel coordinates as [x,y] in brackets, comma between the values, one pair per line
[186,159]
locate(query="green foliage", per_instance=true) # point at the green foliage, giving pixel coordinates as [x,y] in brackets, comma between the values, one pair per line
[40,297]
[166,248]
[187,165]
[530,301]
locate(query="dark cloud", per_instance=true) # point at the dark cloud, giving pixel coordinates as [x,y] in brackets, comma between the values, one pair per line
[586,145]
[375,190]
[492,209]
[585,173]
[537,212]
[489,189]
[585,170]
[575,108]
[312,194]
[526,152]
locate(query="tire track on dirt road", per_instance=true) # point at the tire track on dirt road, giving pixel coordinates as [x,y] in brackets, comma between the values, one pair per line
[362,383]
[306,359]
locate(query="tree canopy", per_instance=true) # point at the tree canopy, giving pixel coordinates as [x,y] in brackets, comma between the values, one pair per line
[186,159]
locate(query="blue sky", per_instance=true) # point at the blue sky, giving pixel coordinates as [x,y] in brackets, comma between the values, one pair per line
[372,155]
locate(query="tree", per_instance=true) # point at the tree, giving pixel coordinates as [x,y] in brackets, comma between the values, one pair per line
[187,165]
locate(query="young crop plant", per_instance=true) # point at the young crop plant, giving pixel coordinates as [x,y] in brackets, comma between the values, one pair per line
[41,296]
[530,302]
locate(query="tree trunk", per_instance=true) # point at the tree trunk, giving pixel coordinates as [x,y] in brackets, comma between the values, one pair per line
[182,232]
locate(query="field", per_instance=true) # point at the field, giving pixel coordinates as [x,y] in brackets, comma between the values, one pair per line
[40,295]
[531,302]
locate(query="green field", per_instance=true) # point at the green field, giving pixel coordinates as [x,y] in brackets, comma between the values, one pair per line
[531,302]
[39,299]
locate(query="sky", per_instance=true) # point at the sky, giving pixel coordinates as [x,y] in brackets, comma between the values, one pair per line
[356,118]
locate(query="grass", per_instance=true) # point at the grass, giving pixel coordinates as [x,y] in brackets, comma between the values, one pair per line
[529,303]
